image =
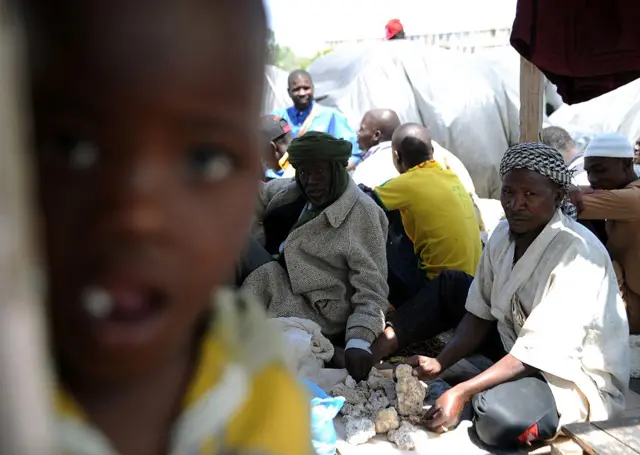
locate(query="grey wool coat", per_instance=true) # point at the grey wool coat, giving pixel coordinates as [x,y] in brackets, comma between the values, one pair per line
[336,265]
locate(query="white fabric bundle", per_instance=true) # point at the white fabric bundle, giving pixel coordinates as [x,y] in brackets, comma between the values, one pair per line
[308,350]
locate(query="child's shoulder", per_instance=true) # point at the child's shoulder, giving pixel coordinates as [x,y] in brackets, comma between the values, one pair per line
[275,415]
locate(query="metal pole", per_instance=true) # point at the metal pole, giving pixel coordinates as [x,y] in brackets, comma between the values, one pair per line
[24,396]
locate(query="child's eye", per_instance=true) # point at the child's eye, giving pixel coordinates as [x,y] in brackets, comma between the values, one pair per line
[79,154]
[210,164]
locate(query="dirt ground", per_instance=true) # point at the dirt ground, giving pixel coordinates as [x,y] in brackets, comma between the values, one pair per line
[429,348]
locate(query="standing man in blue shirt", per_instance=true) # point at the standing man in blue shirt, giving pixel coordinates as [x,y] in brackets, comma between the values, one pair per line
[307,115]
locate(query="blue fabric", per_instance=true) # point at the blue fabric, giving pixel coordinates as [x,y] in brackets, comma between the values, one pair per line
[327,120]
[323,410]
[271,174]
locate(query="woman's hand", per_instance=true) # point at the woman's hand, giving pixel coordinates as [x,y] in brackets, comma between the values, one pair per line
[427,368]
[446,411]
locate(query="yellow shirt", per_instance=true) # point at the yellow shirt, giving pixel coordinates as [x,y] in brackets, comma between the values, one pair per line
[228,408]
[438,217]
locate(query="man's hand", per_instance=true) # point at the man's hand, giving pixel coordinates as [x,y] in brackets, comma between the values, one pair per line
[426,367]
[359,363]
[445,413]
[576,193]
[575,196]
[365,188]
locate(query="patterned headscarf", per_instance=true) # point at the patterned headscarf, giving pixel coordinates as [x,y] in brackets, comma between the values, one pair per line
[544,160]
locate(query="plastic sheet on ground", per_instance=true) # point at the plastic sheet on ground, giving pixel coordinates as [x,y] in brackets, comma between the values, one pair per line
[456,441]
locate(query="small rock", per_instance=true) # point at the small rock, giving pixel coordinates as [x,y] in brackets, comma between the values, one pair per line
[410,390]
[377,401]
[376,380]
[359,431]
[387,420]
[404,437]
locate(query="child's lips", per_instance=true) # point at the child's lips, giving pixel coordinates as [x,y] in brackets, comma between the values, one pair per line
[123,314]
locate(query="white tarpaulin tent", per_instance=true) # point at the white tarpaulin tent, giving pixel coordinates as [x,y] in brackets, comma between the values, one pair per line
[275,93]
[506,61]
[469,102]
[617,111]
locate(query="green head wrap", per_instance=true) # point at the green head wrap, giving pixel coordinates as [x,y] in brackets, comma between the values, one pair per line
[317,146]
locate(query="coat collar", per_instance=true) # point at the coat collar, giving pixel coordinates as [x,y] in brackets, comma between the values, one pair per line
[335,214]
[338,211]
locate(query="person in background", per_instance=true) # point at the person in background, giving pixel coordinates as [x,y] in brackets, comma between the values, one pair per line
[560,349]
[394,30]
[561,140]
[307,115]
[374,139]
[438,217]
[146,171]
[277,134]
[323,255]
[614,197]
[377,164]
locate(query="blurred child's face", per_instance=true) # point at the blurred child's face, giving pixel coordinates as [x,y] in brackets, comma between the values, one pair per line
[148,165]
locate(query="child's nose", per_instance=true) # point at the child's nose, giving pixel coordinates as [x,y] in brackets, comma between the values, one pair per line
[139,204]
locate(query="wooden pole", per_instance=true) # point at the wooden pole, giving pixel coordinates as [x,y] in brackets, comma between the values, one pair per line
[531,102]
[24,396]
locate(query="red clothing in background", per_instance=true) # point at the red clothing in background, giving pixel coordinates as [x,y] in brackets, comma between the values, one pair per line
[585,47]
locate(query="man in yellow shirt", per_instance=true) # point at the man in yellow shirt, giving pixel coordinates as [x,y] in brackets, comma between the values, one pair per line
[439,218]
[147,173]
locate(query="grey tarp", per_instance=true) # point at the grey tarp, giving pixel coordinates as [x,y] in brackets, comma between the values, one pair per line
[459,97]
[469,102]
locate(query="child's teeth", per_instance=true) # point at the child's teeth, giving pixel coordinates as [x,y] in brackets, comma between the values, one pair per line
[97,302]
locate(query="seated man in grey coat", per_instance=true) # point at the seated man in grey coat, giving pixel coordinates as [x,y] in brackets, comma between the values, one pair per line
[323,253]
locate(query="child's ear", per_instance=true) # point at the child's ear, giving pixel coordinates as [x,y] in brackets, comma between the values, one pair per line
[397,155]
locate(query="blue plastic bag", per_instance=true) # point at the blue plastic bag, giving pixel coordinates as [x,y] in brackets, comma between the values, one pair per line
[324,408]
